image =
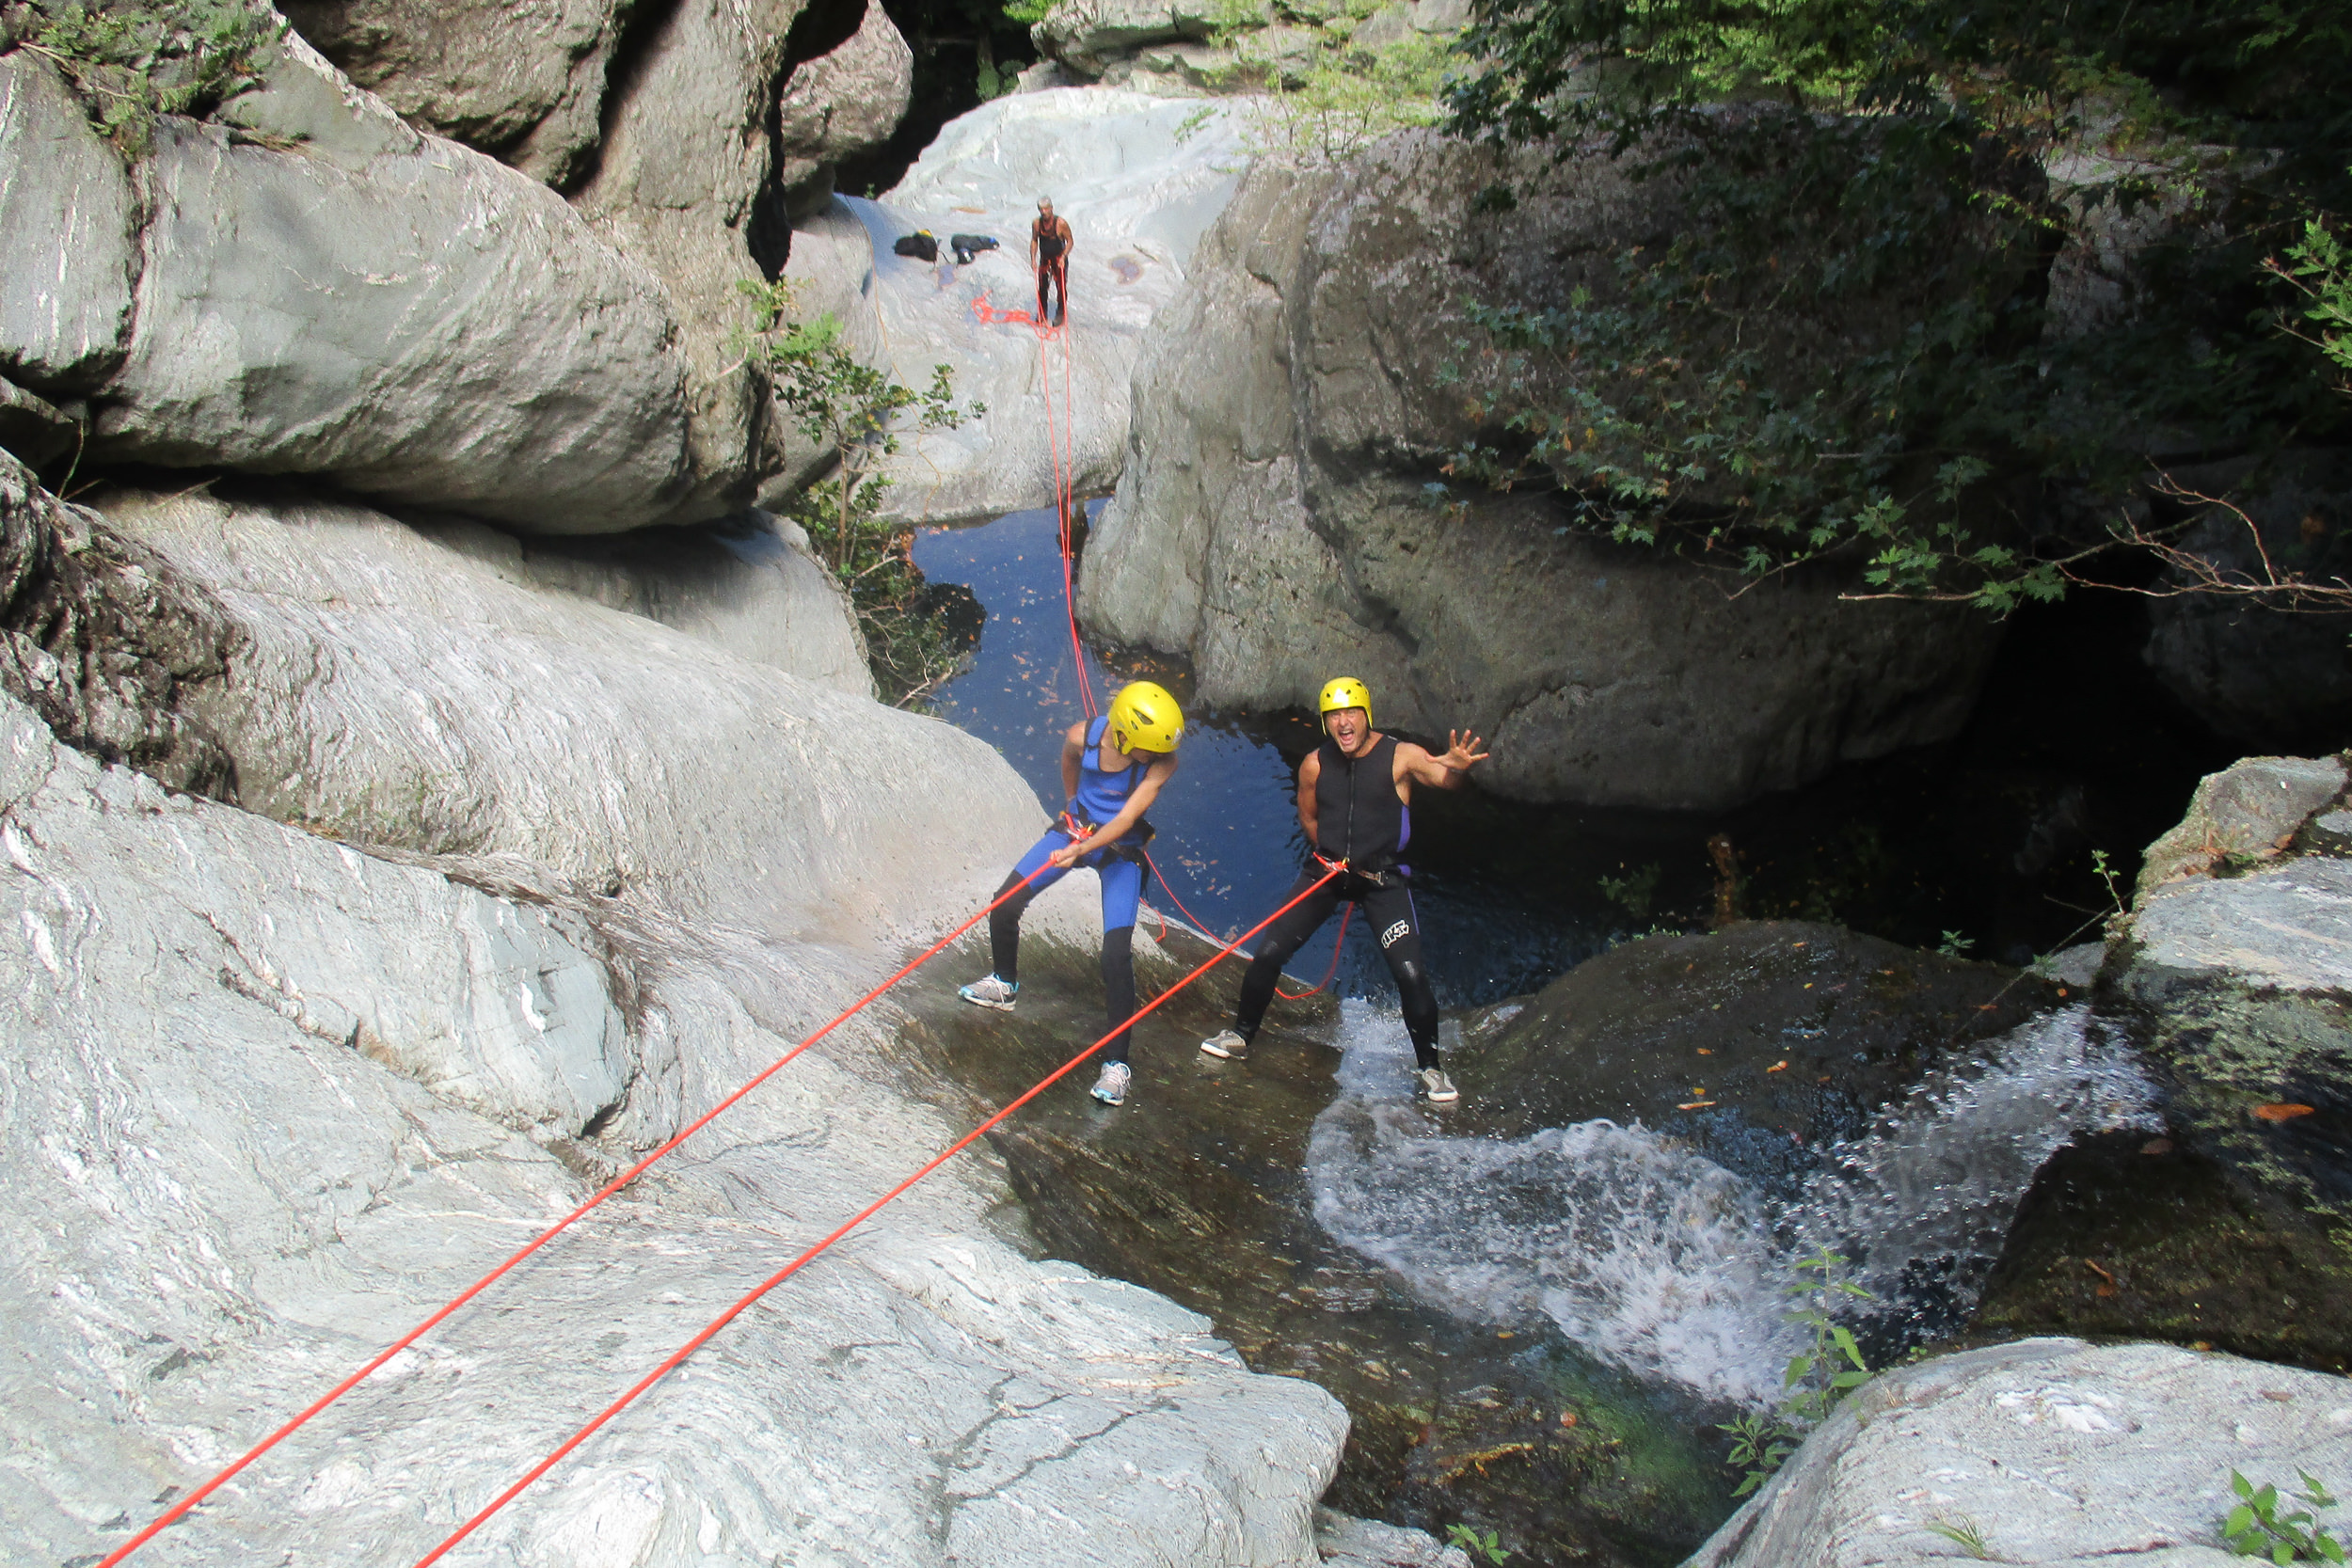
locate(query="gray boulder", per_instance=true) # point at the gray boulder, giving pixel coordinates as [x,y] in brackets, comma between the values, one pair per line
[521,83]
[1273,521]
[2244,983]
[1086,35]
[392,312]
[315,1089]
[68,236]
[748,585]
[2245,815]
[2052,1452]
[840,104]
[390,690]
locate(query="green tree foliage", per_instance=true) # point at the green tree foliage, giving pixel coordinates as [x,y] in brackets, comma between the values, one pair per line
[1890,156]
[130,62]
[856,413]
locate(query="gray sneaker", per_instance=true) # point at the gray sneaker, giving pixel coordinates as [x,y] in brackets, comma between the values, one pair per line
[1226,1046]
[990,991]
[1437,1086]
[1111,1089]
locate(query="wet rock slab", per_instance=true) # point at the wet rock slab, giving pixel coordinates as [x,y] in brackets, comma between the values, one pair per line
[1197,1187]
[1756,1046]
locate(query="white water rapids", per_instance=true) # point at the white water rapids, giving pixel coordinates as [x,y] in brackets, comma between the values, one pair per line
[1663,1262]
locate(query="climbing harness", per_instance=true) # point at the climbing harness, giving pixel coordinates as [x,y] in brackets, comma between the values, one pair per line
[794,1267]
[288,1428]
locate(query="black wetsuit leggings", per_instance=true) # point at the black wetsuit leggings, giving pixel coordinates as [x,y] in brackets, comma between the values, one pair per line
[1118,957]
[1388,908]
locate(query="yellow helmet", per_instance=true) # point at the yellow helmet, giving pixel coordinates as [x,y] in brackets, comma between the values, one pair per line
[1144,718]
[1347,691]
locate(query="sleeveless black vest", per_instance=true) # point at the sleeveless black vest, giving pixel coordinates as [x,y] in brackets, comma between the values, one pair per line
[1357,816]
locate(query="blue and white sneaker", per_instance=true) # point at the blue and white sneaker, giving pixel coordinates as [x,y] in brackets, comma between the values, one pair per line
[1111,1089]
[988,991]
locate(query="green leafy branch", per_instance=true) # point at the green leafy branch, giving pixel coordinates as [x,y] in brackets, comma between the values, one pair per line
[1817,1377]
[2256,1528]
[857,414]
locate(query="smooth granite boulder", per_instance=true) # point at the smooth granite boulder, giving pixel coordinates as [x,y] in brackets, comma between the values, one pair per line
[2050,1452]
[275,1089]
[391,312]
[241,1126]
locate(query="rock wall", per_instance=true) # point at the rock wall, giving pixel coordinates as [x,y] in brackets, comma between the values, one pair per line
[377,308]
[1274,522]
[274,1091]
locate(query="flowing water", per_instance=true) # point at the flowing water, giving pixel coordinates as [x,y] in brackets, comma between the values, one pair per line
[1669,1265]
[1536,1323]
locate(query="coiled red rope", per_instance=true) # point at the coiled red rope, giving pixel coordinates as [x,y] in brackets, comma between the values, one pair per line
[295,1422]
[743,1301]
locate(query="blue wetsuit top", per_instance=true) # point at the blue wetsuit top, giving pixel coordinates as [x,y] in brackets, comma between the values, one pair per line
[1103,794]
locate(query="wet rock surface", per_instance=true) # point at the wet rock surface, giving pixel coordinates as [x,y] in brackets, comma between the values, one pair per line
[2233,972]
[1756,1046]
[1200,1187]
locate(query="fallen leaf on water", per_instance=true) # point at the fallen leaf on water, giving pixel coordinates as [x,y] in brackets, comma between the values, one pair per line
[1503,1334]
[2278,1394]
[1694,1105]
[1704,1052]
[2156,1146]
[1777,1066]
[2280,1113]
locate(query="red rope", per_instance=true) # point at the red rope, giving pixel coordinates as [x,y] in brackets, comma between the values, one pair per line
[1329,973]
[859,1218]
[1061,445]
[181,1507]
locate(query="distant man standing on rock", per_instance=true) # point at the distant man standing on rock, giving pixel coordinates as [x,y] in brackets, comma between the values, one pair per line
[1050,244]
[1354,795]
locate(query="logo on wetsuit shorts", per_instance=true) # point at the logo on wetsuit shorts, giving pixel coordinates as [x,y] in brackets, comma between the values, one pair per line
[1390,937]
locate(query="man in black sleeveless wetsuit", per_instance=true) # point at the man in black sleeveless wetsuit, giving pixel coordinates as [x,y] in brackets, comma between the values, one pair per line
[1353,794]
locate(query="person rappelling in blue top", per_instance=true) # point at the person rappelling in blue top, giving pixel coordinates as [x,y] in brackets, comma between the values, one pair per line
[1112,769]
[1354,792]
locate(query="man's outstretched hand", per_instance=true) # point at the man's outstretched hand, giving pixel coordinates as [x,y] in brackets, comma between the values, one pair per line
[1462,751]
